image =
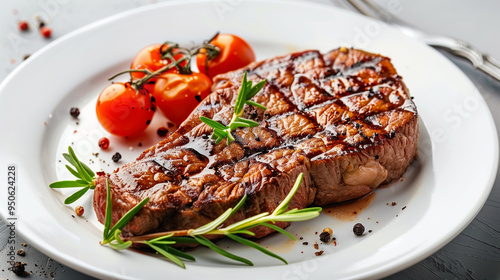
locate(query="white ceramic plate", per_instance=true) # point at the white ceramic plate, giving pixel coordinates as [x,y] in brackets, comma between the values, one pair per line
[442,192]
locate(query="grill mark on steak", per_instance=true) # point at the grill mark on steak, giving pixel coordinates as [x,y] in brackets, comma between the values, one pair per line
[345,119]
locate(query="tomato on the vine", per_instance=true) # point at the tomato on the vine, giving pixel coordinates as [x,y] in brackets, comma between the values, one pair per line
[178,94]
[150,58]
[234,53]
[123,111]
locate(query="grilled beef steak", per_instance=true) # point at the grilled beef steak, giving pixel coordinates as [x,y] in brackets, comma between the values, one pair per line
[345,119]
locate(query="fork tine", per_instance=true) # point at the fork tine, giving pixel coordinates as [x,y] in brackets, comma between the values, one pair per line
[343,4]
[378,10]
[359,8]
[383,14]
[492,60]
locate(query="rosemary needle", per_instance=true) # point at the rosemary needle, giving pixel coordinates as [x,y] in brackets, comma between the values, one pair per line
[85,177]
[247,92]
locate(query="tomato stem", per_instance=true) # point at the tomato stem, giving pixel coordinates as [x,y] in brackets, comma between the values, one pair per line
[168,51]
[129,71]
[149,74]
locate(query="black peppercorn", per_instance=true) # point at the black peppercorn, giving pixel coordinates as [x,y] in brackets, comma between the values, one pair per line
[326,235]
[18,268]
[116,157]
[358,229]
[74,112]
[162,131]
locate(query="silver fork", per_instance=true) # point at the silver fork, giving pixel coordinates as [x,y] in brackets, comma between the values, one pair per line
[481,61]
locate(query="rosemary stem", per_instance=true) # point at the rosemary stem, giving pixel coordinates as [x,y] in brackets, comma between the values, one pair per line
[156,235]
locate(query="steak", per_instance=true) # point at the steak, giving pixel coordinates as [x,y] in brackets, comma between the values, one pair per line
[345,119]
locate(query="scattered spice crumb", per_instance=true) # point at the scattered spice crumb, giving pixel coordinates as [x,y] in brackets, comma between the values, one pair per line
[21,252]
[301,238]
[46,31]
[162,131]
[41,23]
[26,56]
[370,231]
[18,269]
[95,154]
[103,143]
[24,244]
[73,216]
[319,253]
[393,203]
[403,208]
[74,112]
[316,246]
[358,229]
[140,144]
[79,210]
[326,235]
[305,243]
[116,157]
[170,125]
[23,25]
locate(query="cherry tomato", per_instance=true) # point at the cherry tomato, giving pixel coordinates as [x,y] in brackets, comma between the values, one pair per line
[178,94]
[122,111]
[235,53]
[150,58]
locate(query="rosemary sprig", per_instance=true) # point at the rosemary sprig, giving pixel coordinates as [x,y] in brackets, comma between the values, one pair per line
[85,177]
[110,234]
[162,242]
[247,92]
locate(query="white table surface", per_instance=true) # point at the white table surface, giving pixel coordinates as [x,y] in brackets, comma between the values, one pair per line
[474,254]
